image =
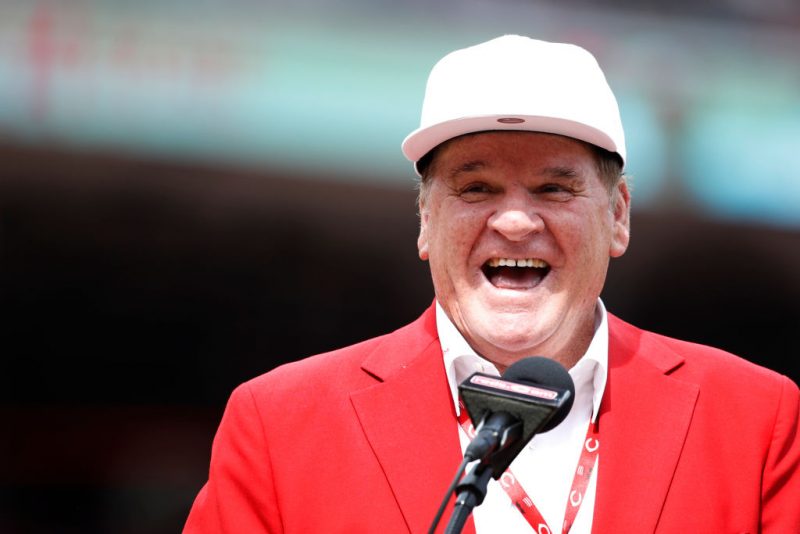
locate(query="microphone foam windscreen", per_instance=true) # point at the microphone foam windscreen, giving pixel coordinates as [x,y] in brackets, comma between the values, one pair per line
[537,392]
[544,372]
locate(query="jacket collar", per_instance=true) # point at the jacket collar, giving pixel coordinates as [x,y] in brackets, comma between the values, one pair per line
[644,420]
[409,420]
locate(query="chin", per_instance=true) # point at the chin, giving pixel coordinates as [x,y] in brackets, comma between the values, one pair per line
[517,342]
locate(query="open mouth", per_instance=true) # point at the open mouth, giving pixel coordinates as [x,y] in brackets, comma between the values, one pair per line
[512,273]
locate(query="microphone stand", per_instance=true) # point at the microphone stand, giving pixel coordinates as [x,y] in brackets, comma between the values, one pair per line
[470,493]
[511,410]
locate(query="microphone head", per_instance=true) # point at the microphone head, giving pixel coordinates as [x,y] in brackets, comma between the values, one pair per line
[547,373]
[536,392]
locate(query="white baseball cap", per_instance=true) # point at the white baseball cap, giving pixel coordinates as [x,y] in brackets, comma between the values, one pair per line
[518,83]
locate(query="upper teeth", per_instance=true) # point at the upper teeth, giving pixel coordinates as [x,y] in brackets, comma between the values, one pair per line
[509,262]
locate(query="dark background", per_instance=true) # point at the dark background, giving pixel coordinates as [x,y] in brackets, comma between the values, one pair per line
[136,294]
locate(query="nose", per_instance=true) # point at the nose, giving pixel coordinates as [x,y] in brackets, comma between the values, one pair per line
[516,219]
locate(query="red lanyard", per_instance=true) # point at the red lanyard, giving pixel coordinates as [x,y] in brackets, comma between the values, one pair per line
[520,499]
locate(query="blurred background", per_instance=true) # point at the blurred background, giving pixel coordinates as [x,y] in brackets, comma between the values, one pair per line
[192,193]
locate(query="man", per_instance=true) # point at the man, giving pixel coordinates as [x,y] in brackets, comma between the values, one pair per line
[522,205]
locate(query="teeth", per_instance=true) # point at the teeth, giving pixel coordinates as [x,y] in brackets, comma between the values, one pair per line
[510,262]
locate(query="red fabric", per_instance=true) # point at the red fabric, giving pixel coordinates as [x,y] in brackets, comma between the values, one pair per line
[365,439]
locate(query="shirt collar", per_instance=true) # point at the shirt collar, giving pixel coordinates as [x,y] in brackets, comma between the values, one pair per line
[460,360]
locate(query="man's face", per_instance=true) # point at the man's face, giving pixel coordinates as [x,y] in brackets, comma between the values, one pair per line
[518,229]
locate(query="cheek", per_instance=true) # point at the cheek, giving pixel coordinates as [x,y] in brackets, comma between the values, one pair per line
[455,229]
[585,239]
[598,254]
[448,245]
[452,237]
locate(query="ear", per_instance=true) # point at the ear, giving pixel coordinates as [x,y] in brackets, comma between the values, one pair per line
[422,239]
[621,228]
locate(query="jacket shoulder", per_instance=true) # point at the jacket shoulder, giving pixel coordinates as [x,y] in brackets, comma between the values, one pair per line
[349,368]
[695,361]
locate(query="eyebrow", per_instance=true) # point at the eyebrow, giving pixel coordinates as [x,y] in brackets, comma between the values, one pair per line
[469,166]
[560,171]
[553,171]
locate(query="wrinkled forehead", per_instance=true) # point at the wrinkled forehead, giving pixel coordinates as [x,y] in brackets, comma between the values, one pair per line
[494,149]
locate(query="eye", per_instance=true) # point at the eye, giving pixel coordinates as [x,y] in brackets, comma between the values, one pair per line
[476,188]
[475,191]
[551,188]
[555,191]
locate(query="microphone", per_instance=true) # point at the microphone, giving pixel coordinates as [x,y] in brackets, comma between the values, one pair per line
[534,395]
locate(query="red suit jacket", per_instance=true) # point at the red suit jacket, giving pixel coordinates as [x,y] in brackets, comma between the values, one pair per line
[364,439]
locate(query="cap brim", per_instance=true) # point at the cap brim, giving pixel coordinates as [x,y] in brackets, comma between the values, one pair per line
[424,139]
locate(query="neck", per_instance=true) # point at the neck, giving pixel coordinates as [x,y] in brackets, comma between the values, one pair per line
[505,362]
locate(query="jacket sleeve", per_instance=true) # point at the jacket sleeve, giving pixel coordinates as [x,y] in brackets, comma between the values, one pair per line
[239,495]
[780,491]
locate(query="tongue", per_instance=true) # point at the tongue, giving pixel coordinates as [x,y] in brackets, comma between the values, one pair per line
[515,277]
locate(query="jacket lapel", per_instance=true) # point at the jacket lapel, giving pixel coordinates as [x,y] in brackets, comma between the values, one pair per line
[410,422]
[644,420]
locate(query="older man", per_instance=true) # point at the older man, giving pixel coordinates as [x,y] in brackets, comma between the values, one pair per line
[522,205]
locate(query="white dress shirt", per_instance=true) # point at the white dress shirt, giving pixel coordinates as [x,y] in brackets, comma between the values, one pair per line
[545,468]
